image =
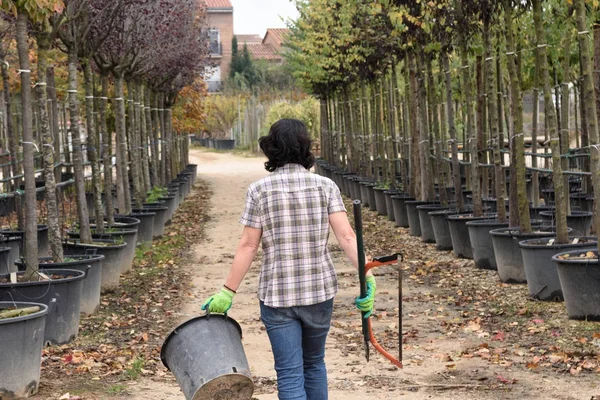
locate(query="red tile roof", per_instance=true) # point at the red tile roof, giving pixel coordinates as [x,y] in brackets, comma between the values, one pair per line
[278,34]
[218,4]
[260,51]
[248,39]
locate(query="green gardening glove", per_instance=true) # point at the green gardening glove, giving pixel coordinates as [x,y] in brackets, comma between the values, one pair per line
[365,304]
[219,302]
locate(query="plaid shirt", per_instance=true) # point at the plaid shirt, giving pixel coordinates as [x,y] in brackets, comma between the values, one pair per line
[292,206]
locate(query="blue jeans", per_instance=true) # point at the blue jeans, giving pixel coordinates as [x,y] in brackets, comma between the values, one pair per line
[298,336]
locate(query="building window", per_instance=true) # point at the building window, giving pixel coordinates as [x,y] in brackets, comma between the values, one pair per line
[214,39]
[212,76]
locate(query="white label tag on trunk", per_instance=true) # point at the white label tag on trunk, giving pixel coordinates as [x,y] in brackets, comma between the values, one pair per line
[550,242]
[576,240]
[13,277]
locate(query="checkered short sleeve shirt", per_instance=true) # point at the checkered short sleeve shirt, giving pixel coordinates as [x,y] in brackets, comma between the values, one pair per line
[292,206]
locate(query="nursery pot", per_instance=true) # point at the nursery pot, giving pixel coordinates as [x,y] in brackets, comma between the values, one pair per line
[15,244]
[542,276]
[42,239]
[364,193]
[62,294]
[7,264]
[400,215]
[583,201]
[579,221]
[459,233]
[121,222]
[146,227]
[218,370]
[169,201]
[380,204]
[372,202]
[125,236]
[90,289]
[160,218]
[389,204]
[481,242]
[580,278]
[534,212]
[414,223]
[113,258]
[21,343]
[441,230]
[427,233]
[509,261]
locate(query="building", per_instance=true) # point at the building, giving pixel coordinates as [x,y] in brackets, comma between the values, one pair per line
[270,48]
[220,32]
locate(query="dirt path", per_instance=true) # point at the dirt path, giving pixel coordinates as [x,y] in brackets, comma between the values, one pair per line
[434,364]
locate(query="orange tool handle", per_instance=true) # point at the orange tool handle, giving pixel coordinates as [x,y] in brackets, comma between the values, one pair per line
[378,262]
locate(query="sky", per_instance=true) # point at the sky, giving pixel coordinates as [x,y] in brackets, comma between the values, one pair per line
[255,16]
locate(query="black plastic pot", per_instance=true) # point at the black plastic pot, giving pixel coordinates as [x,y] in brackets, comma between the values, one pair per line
[380,204]
[218,371]
[21,347]
[580,279]
[111,265]
[427,232]
[481,242]
[171,203]
[389,205]
[125,236]
[582,202]
[146,226]
[542,276]
[441,230]
[364,193]
[579,221]
[414,224]
[372,202]
[508,254]
[62,295]
[459,233]
[491,204]
[43,244]
[534,212]
[7,264]
[121,222]
[400,215]
[15,244]
[160,218]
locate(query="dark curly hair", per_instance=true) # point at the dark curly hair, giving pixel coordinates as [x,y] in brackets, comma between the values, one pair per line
[287,143]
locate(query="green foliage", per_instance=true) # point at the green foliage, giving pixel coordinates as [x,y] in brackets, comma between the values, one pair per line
[222,115]
[243,73]
[306,110]
[135,370]
[156,193]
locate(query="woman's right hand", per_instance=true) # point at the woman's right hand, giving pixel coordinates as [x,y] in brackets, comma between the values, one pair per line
[219,302]
[367,303]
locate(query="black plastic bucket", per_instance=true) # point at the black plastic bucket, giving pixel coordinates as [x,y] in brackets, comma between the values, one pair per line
[21,344]
[580,279]
[542,276]
[90,289]
[120,236]
[112,263]
[63,296]
[427,233]
[217,370]
[146,227]
[400,215]
[459,233]
[414,222]
[160,218]
[380,204]
[481,242]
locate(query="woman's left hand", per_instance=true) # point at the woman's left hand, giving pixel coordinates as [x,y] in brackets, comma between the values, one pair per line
[366,304]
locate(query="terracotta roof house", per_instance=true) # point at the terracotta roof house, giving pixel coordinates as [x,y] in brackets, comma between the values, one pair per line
[276,37]
[269,48]
[248,39]
[220,32]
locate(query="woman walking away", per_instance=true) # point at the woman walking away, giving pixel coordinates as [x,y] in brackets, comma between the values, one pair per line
[290,212]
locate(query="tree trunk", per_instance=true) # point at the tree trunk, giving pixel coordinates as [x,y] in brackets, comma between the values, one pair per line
[560,196]
[438,139]
[82,210]
[495,133]
[145,123]
[120,124]
[427,188]
[164,142]
[134,146]
[415,151]
[517,112]
[156,166]
[31,240]
[590,105]
[458,195]
[54,231]
[92,145]
[470,124]
[106,150]
[54,112]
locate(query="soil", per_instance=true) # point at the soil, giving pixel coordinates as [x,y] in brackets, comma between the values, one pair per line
[466,335]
